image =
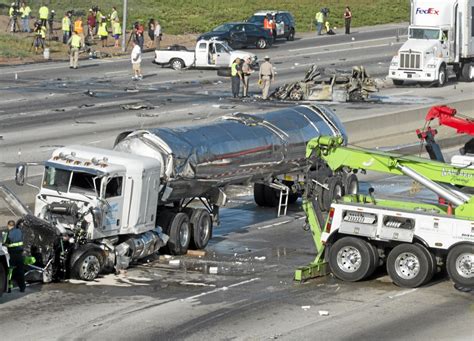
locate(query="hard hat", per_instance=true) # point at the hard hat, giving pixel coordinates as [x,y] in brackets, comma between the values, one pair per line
[52,11]
[266,57]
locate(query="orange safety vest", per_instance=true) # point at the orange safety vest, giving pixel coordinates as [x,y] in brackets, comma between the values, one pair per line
[266,24]
[78,26]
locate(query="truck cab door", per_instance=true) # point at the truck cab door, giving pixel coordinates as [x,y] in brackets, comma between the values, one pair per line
[113,194]
[202,57]
[222,55]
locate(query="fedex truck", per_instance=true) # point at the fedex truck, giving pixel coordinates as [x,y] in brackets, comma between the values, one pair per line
[440,43]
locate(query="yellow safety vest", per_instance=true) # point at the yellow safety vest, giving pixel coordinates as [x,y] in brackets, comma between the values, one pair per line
[233,69]
[66,24]
[44,12]
[10,12]
[113,16]
[75,41]
[117,29]
[103,29]
[320,17]
[43,32]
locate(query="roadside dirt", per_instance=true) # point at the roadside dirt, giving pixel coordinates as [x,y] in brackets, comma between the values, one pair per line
[60,51]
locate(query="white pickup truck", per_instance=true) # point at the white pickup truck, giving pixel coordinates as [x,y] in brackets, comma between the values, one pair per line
[211,53]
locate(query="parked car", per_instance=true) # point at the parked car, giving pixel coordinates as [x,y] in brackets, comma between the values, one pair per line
[285,23]
[241,34]
[213,54]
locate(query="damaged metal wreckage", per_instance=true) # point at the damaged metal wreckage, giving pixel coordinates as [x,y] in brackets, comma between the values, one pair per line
[320,84]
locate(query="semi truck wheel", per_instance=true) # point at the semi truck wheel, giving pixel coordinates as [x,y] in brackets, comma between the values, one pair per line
[335,190]
[409,265]
[179,232]
[272,196]
[397,82]
[442,76]
[88,266]
[352,259]
[259,194]
[201,224]
[460,265]
[466,72]
[352,184]
[3,279]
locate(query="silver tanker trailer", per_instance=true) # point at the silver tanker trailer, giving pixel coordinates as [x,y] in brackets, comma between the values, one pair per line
[111,207]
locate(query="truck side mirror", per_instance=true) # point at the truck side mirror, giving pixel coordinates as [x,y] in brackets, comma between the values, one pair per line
[20,173]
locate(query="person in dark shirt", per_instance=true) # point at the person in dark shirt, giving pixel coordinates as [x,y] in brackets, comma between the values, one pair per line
[14,243]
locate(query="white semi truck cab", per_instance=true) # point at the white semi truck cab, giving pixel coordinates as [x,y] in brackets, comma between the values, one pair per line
[440,43]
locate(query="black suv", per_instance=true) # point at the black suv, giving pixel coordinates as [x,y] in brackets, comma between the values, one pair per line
[285,23]
[241,34]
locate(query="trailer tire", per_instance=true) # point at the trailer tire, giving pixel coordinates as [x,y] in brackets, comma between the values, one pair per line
[259,194]
[460,265]
[442,77]
[335,191]
[177,64]
[88,265]
[179,231]
[201,224]
[3,279]
[409,265]
[466,72]
[352,185]
[352,259]
[271,196]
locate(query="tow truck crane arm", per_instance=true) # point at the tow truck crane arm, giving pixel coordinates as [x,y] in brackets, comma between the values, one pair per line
[447,117]
[337,156]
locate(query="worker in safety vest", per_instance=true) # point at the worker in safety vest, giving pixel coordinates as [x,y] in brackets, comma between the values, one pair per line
[75,44]
[14,243]
[44,14]
[267,23]
[25,12]
[116,31]
[319,22]
[79,29]
[40,35]
[103,33]
[66,27]
[236,76]
[114,15]
[13,14]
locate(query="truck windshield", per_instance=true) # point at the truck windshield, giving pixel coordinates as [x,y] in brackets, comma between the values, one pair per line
[424,33]
[58,179]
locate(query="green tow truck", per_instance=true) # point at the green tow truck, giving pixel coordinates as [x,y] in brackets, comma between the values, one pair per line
[413,239]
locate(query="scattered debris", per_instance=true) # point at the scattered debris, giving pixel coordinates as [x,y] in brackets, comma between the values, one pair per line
[305,307]
[137,107]
[196,253]
[131,90]
[198,284]
[213,270]
[85,106]
[260,258]
[222,106]
[90,93]
[320,84]
[84,122]
[97,324]
[60,110]
[174,262]
[142,114]
[323,313]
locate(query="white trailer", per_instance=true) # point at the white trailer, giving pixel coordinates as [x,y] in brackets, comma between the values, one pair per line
[440,43]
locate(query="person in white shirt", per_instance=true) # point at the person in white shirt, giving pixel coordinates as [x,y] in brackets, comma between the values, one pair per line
[136,59]
[157,34]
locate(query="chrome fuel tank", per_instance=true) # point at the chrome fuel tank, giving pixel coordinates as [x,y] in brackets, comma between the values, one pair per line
[235,149]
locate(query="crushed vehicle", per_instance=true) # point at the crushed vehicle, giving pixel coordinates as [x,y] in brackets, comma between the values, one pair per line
[439,44]
[212,54]
[113,207]
[320,84]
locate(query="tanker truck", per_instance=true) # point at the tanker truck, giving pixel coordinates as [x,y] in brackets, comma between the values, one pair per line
[440,43]
[112,207]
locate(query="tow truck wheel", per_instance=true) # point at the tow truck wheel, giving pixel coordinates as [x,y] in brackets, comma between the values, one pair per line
[179,232]
[3,279]
[201,223]
[177,64]
[442,76]
[259,194]
[352,184]
[88,266]
[409,265]
[460,265]
[352,259]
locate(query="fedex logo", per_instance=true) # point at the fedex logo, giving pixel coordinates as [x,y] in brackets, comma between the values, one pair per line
[427,11]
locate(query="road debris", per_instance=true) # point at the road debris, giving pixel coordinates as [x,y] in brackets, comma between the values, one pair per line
[137,107]
[305,307]
[320,84]
[196,253]
[142,114]
[90,93]
[260,258]
[213,270]
[174,262]
[323,313]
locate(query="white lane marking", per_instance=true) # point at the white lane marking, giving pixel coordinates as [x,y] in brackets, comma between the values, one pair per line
[403,293]
[114,72]
[190,298]
[347,43]
[340,50]
[273,225]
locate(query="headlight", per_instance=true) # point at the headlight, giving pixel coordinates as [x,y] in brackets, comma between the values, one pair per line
[394,64]
[431,66]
